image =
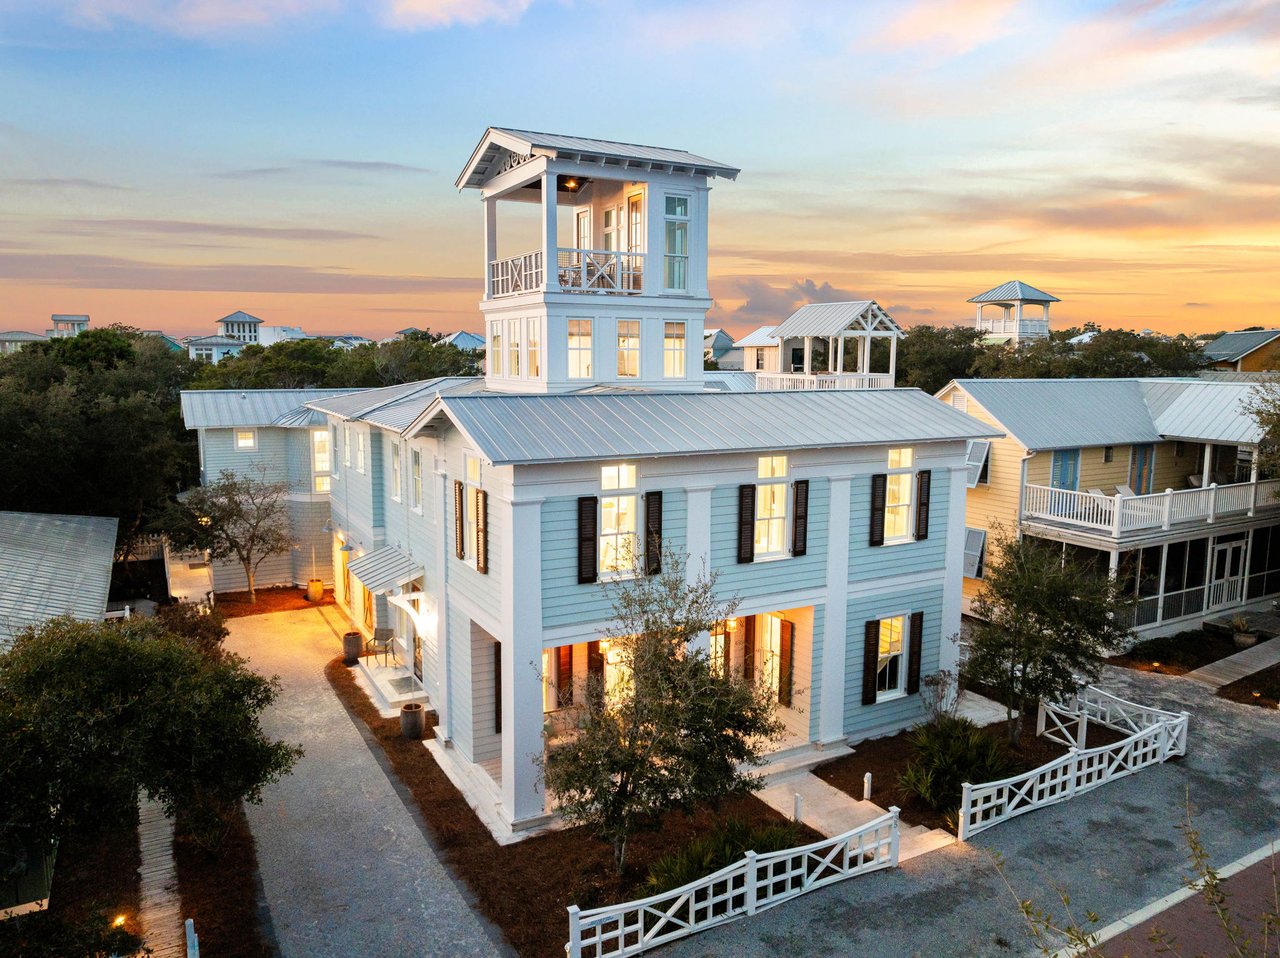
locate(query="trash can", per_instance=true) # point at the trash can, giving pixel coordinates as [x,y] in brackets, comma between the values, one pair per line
[315,590]
[411,715]
[352,643]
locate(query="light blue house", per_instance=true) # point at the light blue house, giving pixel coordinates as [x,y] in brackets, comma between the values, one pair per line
[480,522]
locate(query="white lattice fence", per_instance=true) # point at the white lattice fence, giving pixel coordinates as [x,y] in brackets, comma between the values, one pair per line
[1155,735]
[753,884]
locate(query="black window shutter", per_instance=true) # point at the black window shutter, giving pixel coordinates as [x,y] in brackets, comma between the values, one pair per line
[879,488]
[497,687]
[564,676]
[913,657]
[588,520]
[746,523]
[786,636]
[870,661]
[923,480]
[652,533]
[749,648]
[459,521]
[482,531]
[800,522]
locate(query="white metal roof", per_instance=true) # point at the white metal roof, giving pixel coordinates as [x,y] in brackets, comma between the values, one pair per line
[465,340]
[832,319]
[227,408]
[1229,347]
[1204,411]
[385,569]
[500,140]
[514,429]
[1012,292]
[21,336]
[759,337]
[53,565]
[394,407]
[240,316]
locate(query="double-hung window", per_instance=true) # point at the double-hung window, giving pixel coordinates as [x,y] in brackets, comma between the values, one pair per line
[533,343]
[628,348]
[472,485]
[635,223]
[676,260]
[673,350]
[579,349]
[246,439]
[321,460]
[333,445]
[346,445]
[613,229]
[396,490]
[513,346]
[619,544]
[360,453]
[495,348]
[891,666]
[898,495]
[415,478]
[771,507]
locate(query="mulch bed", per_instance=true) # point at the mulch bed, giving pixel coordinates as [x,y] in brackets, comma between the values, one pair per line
[1261,689]
[219,891]
[279,599]
[886,759]
[525,888]
[1177,654]
[96,870]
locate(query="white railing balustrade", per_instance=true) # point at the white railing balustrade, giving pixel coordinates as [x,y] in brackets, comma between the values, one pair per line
[746,887]
[1119,514]
[805,381]
[516,274]
[598,270]
[1155,735]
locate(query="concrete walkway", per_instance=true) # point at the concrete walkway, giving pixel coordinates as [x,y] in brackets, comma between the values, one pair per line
[346,866]
[1238,666]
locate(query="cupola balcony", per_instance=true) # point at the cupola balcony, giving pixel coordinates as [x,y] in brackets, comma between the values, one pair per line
[577,271]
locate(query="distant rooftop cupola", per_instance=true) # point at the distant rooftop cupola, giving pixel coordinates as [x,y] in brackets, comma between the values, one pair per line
[240,326]
[616,291]
[1014,326]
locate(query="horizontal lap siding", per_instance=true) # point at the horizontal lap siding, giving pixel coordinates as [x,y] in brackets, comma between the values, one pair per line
[460,708]
[221,454]
[861,721]
[307,520]
[564,600]
[904,558]
[778,575]
[486,744]
[1172,471]
[815,669]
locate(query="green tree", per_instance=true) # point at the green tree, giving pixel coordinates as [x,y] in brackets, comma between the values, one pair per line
[670,731]
[290,364]
[1264,406]
[240,518]
[1044,622]
[929,357]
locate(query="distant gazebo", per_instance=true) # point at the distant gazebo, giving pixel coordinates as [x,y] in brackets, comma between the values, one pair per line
[1014,326]
[837,323]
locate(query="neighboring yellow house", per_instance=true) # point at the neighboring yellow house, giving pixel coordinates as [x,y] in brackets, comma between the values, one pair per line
[1154,480]
[1250,351]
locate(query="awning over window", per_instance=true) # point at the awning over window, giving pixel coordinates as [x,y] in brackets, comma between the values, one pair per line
[975,544]
[975,461]
[385,569]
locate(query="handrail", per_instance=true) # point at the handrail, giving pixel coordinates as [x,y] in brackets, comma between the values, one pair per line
[1119,514]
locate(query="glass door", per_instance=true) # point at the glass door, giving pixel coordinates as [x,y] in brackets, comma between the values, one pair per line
[1226,581]
[1141,464]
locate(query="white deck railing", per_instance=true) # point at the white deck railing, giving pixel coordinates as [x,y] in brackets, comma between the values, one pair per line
[1155,735]
[600,271]
[790,381]
[1118,514]
[748,886]
[516,274]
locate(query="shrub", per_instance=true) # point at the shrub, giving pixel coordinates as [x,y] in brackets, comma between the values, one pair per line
[948,753]
[728,842]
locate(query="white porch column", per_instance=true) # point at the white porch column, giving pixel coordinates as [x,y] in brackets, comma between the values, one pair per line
[840,354]
[444,707]
[698,544]
[1207,471]
[1253,480]
[953,578]
[521,663]
[808,355]
[893,360]
[835,627]
[490,242]
[550,236]
[864,354]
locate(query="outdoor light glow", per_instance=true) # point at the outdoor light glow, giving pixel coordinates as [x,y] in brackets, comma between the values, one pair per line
[118,921]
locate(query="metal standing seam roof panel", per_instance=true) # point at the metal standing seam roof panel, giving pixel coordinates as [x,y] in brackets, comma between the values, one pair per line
[1013,291]
[1205,412]
[1067,413]
[53,565]
[385,569]
[225,408]
[1229,347]
[759,337]
[393,407]
[514,429]
[827,319]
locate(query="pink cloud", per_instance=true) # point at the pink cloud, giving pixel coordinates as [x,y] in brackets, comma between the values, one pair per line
[955,26]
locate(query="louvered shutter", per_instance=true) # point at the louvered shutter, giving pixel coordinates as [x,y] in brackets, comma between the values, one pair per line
[482,531]
[786,636]
[746,524]
[916,648]
[459,520]
[800,522]
[652,533]
[923,481]
[870,660]
[879,487]
[749,648]
[975,541]
[975,461]
[588,521]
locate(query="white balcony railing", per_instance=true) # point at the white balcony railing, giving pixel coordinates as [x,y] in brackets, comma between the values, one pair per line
[516,274]
[797,381]
[577,270]
[1118,514]
[1027,327]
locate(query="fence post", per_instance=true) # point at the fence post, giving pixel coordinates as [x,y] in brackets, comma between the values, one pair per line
[1116,524]
[574,948]
[1040,719]
[1163,739]
[797,813]
[965,797]
[894,837]
[750,886]
[1213,501]
[1082,725]
[1074,754]
[866,787]
[1168,509]
[1182,735]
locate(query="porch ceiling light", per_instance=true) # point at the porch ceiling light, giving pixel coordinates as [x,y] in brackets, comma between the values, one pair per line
[347,547]
[571,184]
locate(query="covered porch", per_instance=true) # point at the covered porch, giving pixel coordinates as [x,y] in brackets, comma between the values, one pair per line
[403,640]
[828,346]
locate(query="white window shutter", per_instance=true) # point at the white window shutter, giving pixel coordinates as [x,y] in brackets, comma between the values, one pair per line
[975,458]
[975,541]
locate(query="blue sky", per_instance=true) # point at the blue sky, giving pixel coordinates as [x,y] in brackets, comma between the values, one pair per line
[164,162]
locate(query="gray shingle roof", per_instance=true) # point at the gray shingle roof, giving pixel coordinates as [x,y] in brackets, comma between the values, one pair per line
[53,565]
[228,408]
[513,429]
[830,319]
[1230,347]
[1013,291]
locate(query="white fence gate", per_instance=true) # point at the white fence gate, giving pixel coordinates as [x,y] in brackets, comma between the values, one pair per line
[753,884]
[1154,736]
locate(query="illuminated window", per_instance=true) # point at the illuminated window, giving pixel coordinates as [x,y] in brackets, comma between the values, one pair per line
[676,261]
[891,665]
[579,349]
[613,229]
[246,439]
[673,350]
[333,445]
[899,490]
[619,543]
[495,348]
[323,483]
[472,505]
[346,445]
[513,346]
[321,459]
[415,480]
[629,348]
[771,507]
[360,452]
[534,346]
[395,471]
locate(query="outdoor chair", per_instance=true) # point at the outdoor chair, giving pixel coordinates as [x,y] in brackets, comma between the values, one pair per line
[382,644]
[1125,491]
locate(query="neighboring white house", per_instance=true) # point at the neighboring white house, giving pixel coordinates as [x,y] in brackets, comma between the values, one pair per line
[1014,326]
[760,351]
[719,347]
[16,339]
[212,349]
[823,346]
[465,341]
[67,325]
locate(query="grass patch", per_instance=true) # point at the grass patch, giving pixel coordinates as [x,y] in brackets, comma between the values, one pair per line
[283,598]
[724,845]
[525,888]
[1261,689]
[1177,654]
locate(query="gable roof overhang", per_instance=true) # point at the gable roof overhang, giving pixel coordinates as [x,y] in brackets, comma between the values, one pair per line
[819,320]
[1014,291]
[1232,347]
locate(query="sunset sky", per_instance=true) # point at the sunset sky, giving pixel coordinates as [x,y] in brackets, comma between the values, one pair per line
[165,162]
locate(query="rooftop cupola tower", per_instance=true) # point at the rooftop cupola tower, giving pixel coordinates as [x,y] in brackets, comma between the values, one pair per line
[614,292]
[1014,326]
